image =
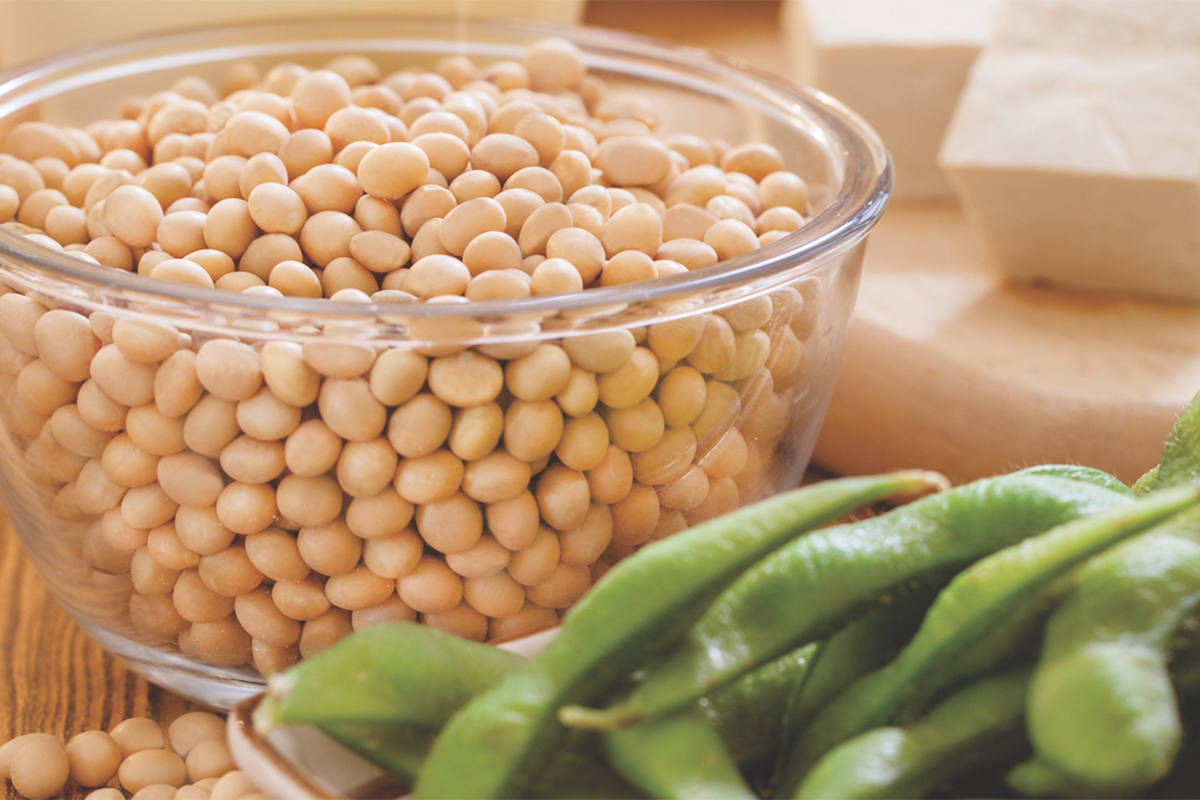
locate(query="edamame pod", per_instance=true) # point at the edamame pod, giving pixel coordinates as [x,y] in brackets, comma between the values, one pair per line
[862,646]
[963,731]
[746,714]
[1101,708]
[497,744]
[966,612]
[1075,472]
[676,757]
[808,589]
[1180,463]
[372,677]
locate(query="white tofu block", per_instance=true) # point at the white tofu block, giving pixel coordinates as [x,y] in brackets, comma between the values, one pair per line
[899,63]
[1077,155]
[31,29]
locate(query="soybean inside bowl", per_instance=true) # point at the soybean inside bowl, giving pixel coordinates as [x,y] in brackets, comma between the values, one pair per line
[196,472]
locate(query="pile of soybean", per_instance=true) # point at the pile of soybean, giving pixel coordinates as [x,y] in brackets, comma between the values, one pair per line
[1025,634]
[247,490]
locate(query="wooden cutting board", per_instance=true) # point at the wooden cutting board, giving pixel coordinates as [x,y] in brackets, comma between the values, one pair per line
[949,368]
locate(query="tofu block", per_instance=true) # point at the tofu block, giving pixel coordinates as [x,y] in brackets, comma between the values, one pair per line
[31,29]
[901,64]
[1075,148]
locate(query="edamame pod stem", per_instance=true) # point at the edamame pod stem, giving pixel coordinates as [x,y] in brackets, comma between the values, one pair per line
[496,745]
[967,610]
[962,732]
[1102,708]
[373,676]
[864,645]
[676,757]
[808,589]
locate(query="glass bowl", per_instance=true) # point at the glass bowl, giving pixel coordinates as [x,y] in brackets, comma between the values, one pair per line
[115,477]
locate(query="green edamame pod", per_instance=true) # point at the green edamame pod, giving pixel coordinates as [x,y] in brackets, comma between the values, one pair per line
[676,757]
[371,677]
[808,589]
[1102,709]
[497,744]
[965,614]
[1180,463]
[862,646]
[745,712]
[1075,472]
[962,732]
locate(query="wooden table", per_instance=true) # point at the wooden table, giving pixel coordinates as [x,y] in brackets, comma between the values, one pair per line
[53,678]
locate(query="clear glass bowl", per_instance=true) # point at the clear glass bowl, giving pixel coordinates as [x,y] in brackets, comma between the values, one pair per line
[788,303]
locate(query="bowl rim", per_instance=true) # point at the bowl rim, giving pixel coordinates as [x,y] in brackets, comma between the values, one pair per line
[846,219]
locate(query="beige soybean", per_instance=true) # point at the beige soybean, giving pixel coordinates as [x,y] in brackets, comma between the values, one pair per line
[137,734]
[65,344]
[39,769]
[94,758]
[636,516]
[365,468]
[287,375]
[246,507]
[487,557]
[563,587]
[392,170]
[470,219]
[351,411]
[264,416]
[258,614]
[681,396]
[190,478]
[128,465]
[397,375]
[301,600]
[230,572]
[74,433]
[358,589]
[211,758]
[453,525]
[125,381]
[164,546]
[201,530]
[393,609]
[276,554]
[529,619]
[611,479]
[177,386]
[635,428]
[420,425]
[431,587]
[476,431]
[309,501]
[514,522]
[153,431]
[535,562]
[580,394]
[563,496]
[210,425]
[312,449]
[541,224]
[228,369]
[462,620]
[532,429]
[393,556]
[495,477]
[381,515]
[144,341]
